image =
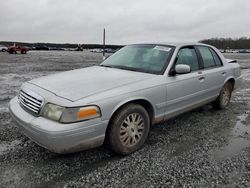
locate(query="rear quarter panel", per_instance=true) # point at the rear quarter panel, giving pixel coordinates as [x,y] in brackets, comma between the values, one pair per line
[233,69]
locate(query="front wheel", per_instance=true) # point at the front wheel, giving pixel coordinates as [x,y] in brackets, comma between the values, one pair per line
[11,51]
[128,129]
[224,98]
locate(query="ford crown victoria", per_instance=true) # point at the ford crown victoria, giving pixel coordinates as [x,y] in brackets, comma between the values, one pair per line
[120,99]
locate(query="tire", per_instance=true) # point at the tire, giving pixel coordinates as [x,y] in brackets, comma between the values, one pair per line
[4,50]
[23,51]
[224,98]
[128,129]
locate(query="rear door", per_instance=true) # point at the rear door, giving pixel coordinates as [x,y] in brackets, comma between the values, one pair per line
[185,90]
[214,72]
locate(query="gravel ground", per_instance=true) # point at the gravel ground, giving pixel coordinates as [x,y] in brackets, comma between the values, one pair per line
[201,148]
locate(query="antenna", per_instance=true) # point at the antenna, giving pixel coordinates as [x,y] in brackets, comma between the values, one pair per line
[103,50]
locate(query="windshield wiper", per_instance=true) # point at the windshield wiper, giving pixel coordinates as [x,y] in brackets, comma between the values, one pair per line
[129,68]
[123,68]
[109,66]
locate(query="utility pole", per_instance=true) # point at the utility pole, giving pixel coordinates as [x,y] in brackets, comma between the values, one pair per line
[103,50]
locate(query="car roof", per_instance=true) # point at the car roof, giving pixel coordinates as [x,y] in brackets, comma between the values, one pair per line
[175,44]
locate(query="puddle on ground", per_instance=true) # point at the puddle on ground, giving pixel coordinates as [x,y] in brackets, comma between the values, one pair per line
[246,75]
[183,147]
[240,139]
[8,146]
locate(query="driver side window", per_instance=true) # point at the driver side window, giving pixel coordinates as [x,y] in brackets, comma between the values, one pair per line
[187,56]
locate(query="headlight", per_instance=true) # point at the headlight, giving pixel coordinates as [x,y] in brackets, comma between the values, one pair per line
[52,111]
[79,114]
[70,115]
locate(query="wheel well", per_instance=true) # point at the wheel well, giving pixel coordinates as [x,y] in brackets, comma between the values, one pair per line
[232,82]
[147,105]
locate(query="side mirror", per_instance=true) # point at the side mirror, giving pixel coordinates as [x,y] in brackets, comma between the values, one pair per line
[182,69]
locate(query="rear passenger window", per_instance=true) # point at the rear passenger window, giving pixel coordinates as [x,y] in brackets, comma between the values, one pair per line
[188,56]
[207,57]
[216,58]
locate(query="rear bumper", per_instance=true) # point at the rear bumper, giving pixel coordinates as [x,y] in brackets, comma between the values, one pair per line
[57,137]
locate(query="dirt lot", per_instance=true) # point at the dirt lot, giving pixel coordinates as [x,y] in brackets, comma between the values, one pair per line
[202,148]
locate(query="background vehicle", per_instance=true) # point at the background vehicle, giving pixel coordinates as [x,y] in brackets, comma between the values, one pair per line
[97,50]
[3,48]
[119,100]
[15,49]
[41,48]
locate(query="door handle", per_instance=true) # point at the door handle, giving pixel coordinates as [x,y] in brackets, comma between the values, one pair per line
[201,78]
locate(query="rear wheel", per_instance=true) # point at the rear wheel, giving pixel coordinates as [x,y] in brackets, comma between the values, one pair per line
[128,129]
[224,98]
[23,51]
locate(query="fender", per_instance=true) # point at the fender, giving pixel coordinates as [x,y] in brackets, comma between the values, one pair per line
[228,78]
[131,99]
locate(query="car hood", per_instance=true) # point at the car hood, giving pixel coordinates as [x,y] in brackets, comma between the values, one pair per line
[77,84]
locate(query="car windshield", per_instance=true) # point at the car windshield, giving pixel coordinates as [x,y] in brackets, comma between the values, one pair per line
[142,58]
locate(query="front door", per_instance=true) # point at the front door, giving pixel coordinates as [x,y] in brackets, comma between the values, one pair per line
[184,91]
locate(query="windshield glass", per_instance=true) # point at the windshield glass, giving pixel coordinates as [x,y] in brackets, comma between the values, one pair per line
[141,58]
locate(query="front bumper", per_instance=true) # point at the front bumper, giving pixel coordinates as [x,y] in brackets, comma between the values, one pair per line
[57,137]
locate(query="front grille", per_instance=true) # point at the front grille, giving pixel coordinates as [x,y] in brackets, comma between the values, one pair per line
[30,101]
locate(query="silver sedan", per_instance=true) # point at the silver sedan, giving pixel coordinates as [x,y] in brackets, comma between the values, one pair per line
[120,99]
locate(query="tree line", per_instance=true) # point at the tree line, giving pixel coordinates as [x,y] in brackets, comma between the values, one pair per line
[221,43]
[59,45]
[228,43]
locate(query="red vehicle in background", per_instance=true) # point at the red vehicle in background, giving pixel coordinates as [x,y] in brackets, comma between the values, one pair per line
[15,49]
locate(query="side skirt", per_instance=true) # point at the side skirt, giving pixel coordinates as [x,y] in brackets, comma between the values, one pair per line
[179,111]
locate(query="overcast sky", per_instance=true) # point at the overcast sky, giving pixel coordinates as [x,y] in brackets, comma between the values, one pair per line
[126,21]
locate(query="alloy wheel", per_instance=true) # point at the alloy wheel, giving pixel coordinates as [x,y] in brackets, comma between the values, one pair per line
[132,130]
